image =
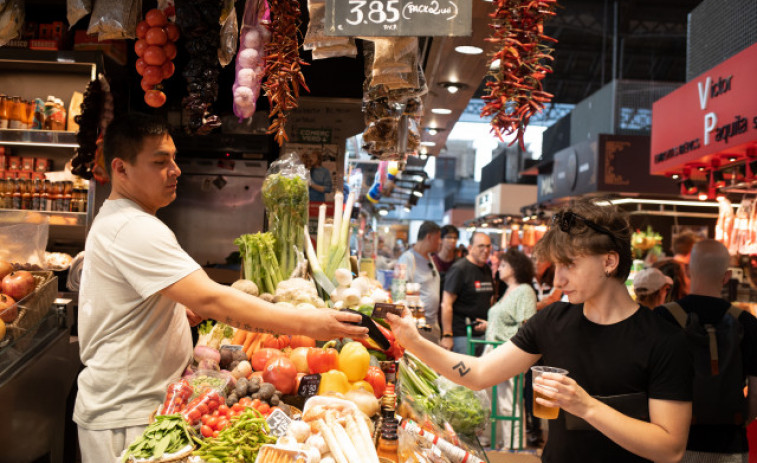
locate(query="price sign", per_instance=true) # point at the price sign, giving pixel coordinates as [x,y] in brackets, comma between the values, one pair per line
[309,385]
[279,422]
[386,18]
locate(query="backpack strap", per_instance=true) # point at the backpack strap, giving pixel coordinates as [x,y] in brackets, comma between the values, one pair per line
[712,334]
[677,312]
[735,312]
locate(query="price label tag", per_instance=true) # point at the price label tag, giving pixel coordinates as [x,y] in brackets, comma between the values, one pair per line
[385,18]
[279,422]
[309,385]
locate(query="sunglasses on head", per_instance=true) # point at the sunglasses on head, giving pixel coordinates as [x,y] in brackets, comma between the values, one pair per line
[433,270]
[567,219]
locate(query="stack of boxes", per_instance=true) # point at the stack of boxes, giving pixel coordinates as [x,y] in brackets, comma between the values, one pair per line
[25,168]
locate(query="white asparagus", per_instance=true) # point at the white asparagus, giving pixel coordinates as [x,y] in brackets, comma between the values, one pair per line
[320,239]
[338,205]
[362,438]
[344,440]
[336,451]
[347,214]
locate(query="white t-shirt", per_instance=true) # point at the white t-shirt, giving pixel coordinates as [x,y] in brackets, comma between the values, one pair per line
[423,271]
[132,340]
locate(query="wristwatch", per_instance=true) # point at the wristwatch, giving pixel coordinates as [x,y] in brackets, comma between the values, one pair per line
[447,335]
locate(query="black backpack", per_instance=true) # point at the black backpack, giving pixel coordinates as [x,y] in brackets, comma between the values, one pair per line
[718,367]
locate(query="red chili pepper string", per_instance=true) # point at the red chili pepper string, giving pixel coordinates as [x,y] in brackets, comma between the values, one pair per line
[516,93]
[283,74]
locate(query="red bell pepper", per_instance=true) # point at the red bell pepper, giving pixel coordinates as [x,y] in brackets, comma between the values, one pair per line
[324,359]
[395,351]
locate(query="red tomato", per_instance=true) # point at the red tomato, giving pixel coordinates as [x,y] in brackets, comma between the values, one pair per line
[213,404]
[264,408]
[223,410]
[301,341]
[172,30]
[156,36]
[213,422]
[263,356]
[155,17]
[155,98]
[206,431]
[204,419]
[170,50]
[194,415]
[245,401]
[146,86]
[237,407]
[256,403]
[282,373]
[142,28]
[153,75]
[141,65]
[168,69]
[140,46]
[215,433]
[223,423]
[375,377]
[154,55]
[216,413]
[275,341]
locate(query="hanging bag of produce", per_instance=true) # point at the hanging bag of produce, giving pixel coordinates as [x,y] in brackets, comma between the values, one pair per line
[11,19]
[286,199]
[250,65]
[114,19]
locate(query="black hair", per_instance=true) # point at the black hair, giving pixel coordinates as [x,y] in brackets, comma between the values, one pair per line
[427,228]
[450,230]
[126,133]
[522,265]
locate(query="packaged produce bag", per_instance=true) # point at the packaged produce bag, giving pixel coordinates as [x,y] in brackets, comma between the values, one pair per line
[24,237]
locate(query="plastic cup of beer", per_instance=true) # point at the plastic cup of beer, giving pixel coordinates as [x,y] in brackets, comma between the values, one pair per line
[542,411]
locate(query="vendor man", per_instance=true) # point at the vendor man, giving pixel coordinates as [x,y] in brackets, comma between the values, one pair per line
[133,325]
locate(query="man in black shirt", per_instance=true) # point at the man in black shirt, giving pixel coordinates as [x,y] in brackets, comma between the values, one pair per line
[467,294]
[709,272]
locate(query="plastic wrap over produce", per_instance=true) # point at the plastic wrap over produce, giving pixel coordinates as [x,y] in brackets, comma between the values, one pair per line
[250,66]
[285,195]
[24,237]
[115,19]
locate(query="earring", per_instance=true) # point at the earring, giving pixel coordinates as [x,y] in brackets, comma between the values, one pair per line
[607,273]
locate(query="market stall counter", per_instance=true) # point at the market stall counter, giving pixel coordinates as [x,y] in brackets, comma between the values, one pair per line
[37,372]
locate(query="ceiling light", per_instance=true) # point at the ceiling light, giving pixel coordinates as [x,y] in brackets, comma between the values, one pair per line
[469,50]
[423,156]
[432,131]
[702,196]
[675,176]
[441,111]
[418,193]
[428,143]
[494,66]
[453,87]
[407,208]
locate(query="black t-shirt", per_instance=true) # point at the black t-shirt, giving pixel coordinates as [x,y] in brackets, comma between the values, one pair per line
[473,286]
[640,354]
[719,438]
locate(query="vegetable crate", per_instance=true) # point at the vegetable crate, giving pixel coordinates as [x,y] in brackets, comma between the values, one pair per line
[33,308]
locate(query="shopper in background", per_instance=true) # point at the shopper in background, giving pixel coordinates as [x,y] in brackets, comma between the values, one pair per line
[447,253]
[467,295]
[320,177]
[421,269]
[682,245]
[134,333]
[505,317]
[717,439]
[614,350]
[546,292]
[676,271]
[651,287]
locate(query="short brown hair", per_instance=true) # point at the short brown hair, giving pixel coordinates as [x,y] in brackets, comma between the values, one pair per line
[581,240]
[683,243]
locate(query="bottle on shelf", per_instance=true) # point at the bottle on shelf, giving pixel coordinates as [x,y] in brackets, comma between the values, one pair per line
[3,112]
[17,115]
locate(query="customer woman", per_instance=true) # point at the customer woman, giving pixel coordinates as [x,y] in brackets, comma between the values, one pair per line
[505,318]
[615,352]
[651,287]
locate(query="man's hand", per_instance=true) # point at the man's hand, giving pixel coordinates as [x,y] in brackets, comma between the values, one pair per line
[327,324]
[193,318]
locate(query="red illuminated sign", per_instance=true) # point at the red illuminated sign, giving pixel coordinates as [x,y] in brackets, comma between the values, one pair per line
[714,114]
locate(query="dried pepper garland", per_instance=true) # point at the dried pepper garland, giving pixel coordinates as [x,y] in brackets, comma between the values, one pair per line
[516,93]
[283,74]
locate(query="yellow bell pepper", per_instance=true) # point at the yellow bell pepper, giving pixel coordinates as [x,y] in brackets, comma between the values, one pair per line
[354,360]
[361,385]
[333,381]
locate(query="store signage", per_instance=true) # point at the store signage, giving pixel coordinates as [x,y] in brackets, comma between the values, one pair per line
[405,18]
[315,136]
[278,422]
[713,114]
